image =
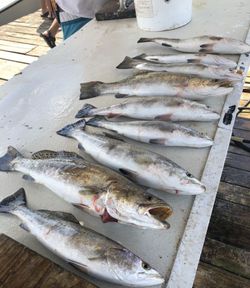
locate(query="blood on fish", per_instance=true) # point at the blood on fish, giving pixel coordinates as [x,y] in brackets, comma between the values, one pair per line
[107,218]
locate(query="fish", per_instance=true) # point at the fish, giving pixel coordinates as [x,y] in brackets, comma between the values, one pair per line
[153,108]
[85,249]
[155,132]
[96,189]
[203,71]
[158,84]
[203,44]
[187,58]
[140,165]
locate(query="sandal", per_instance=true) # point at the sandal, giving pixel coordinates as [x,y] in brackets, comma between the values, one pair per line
[45,14]
[50,40]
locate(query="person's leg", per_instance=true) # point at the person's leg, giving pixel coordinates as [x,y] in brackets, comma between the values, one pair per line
[50,9]
[49,35]
[44,8]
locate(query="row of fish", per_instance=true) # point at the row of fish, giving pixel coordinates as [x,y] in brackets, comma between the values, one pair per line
[105,193]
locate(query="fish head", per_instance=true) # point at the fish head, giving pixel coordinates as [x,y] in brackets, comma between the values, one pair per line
[188,184]
[130,269]
[139,208]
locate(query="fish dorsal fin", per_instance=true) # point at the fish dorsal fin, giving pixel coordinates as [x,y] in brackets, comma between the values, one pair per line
[112,136]
[63,215]
[49,154]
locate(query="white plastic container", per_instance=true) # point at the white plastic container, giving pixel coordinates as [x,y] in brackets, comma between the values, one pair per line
[159,15]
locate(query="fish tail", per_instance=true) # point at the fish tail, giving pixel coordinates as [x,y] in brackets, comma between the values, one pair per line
[11,202]
[85,111]
[95,121]
[6,160]
[127,63]
[143,40]
[68,130]
[140,57]
[90,89]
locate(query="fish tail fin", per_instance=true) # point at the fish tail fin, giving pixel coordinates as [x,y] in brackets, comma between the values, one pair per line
[6,160]
[95,121]
[90,89]
[140,57]
[68,130]
[11,202]
[85,111]
[127,63]
[143,40]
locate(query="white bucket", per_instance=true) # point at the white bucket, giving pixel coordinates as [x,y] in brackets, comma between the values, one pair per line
[159,15]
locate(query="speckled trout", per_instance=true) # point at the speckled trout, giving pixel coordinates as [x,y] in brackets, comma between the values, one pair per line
[187,58]
[159,84]
[203,44]
[144,167]
[155,132]
[94,188]
[153,108]
[211,72]
[85,249]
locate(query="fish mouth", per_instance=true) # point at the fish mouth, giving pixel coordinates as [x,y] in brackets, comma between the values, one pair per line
[160,213]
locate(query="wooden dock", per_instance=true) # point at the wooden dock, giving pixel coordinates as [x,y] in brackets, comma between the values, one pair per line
[225,260]
[21,44]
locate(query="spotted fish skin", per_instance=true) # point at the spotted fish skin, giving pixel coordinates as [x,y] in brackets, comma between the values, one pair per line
[155,132]
[203,44]
[159,84]
[142,166]
[154,108]
[94,188]
[86,249]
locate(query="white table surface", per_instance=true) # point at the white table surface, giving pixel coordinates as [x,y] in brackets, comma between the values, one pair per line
[45,97]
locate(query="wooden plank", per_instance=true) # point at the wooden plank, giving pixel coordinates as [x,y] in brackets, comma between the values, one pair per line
[8,69]
[17,57]
[234,193]
[19,29]
[237,150]
[39,50]
[229,232]
[209,276]
[236,176]
[225,256]
[242,123]
[21,267]
[238,161]
[235,213]
[14,44]
[15,49]
[37,41]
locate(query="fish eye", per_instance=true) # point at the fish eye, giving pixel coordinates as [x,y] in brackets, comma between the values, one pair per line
[149,197]
[189,175]
[145,266]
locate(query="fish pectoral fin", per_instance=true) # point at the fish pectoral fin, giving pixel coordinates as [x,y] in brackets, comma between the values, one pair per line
[206,48]
[160,141]
[119,95]
[78,265]
[130,174]
[112,136]
[28,178]
[24,227]
[80,147]
[63,215]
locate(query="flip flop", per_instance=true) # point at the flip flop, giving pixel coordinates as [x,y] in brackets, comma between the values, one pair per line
[50,40]
[45,14]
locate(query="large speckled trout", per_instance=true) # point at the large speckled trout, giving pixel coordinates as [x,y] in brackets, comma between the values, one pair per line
[144,167]
[94,188]
[153,108]
[203,44]
[87,250]
[159,84]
